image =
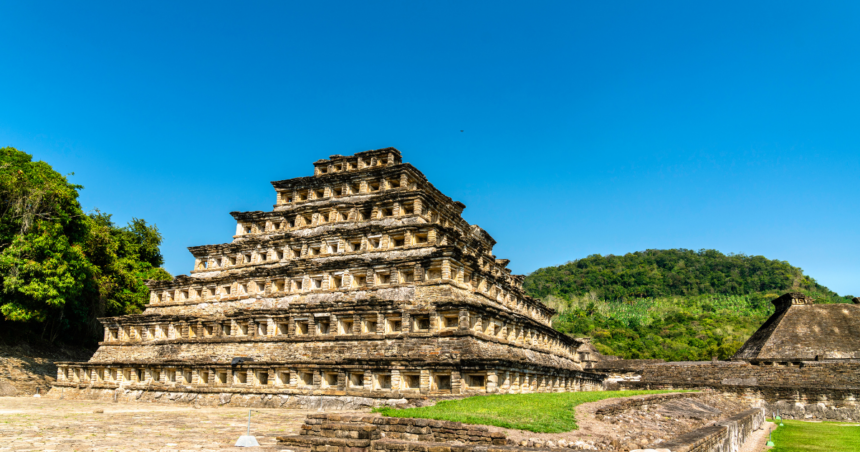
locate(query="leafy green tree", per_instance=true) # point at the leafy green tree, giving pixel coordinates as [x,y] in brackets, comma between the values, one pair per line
[125,257]
[61,269]
[41,270]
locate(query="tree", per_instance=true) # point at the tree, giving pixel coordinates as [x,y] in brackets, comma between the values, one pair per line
[125,257]
[61,269]
[660,273]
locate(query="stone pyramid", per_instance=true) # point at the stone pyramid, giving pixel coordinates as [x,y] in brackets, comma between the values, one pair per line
[801,330]
[363,286]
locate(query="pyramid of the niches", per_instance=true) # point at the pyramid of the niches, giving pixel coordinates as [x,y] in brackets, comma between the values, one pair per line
[363,278]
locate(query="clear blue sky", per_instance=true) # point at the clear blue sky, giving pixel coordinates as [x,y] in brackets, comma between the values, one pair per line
[587,127]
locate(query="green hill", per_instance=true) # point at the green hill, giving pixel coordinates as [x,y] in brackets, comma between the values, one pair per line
[671,304]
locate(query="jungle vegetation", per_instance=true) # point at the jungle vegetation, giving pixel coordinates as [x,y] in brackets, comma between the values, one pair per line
[674,304]
[60,267]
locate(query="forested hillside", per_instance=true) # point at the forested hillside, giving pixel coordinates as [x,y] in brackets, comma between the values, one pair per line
[671,304]
[61,267]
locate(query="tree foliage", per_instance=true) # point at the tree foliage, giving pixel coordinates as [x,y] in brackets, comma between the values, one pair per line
[693,328]
[60,268]
[676,305]
[661,273]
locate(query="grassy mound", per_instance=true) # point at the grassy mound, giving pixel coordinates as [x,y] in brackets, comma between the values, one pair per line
[540,413]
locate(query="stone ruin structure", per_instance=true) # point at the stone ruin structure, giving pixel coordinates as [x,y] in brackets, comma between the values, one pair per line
[363,286]
[804,362]
[800,330]
[713,430]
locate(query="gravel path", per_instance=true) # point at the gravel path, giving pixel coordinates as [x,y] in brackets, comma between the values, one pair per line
[757,442]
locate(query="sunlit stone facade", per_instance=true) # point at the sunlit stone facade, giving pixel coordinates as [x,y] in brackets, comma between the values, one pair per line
[363,281]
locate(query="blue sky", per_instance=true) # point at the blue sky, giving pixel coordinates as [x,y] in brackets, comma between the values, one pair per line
[587,127]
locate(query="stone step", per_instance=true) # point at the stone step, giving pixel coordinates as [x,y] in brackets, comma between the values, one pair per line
[349,427]
[342,427]
[311,441]
[334,433]
[422,446]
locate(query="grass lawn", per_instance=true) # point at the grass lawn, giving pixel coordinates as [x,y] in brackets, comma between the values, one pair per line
[798,436]
[541,412]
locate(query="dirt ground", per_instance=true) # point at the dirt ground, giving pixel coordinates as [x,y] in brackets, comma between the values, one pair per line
[38,424]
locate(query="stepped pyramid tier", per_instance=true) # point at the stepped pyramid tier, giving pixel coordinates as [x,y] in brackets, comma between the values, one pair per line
[362,281]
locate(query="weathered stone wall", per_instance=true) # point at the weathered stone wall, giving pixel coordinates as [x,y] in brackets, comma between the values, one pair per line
[417,293]
[492,322]
[806,374]
[432,349]
[726,436]
[790,403]
[616,370]
[629,403]
[351,433]
[622,365]
[806,390]
[407,429]
[371,379]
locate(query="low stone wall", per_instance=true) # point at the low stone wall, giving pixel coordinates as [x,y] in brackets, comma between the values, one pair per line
[618,370]
[407,429]
[804,374]
[726,436]
[630,403]
[364,433]
[408,446]
[805,390]
[790,403]
[352,433]
[623,364]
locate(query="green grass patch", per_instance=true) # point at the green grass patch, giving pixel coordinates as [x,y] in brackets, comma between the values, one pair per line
[540,413]
[798,436]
